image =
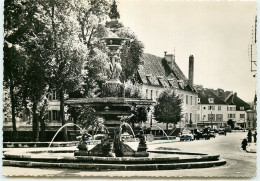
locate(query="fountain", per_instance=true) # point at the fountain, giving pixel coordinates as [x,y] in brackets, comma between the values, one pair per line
[111,153]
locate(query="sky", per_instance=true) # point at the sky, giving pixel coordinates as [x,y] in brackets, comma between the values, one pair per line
[217,34]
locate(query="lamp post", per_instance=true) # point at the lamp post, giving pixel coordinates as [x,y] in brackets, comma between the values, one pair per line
[211,119]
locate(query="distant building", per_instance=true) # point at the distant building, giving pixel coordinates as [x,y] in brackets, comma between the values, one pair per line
[212,109]
[156,74]
[237,109]
[251,121]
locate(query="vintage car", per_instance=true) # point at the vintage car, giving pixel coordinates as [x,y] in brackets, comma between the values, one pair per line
[186,135]
[212,134]
[221,130]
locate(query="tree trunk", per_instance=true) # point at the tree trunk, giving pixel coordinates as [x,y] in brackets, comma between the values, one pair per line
[35,125]
[167,128]
[62,116]
[15,135]
[42,121]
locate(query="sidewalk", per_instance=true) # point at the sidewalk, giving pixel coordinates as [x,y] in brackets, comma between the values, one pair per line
[251,148]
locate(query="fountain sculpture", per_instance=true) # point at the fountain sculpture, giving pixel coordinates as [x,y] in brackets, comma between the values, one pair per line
[112,105]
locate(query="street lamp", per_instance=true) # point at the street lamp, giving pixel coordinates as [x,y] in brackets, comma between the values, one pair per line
[211,119]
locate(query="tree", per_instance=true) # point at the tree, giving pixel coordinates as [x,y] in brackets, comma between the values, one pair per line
[131,53]
[168,109]
[85,117]
[139,115]
[23,62]
[12,72]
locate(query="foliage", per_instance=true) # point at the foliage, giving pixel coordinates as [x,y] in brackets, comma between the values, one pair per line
[131,53]
[132,90]
[168,109]
[139,115]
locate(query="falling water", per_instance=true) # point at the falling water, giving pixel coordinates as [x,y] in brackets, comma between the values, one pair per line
[128,126]
[61,129]
[162,131]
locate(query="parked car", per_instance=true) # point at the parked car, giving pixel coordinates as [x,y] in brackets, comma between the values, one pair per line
[228,129]
[212,134]
[238,128]
[186,135]
[221,130]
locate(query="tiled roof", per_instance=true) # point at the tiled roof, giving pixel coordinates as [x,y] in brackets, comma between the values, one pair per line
[234,100]
[205,94]
[154,71]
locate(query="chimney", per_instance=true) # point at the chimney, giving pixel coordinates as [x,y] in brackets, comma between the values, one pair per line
[169,59]
[191,69]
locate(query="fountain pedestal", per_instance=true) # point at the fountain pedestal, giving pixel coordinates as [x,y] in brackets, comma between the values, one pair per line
[111,108]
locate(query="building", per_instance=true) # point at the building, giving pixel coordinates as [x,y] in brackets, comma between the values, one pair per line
[237,109]
[156,74]
[251,121]
[213,111]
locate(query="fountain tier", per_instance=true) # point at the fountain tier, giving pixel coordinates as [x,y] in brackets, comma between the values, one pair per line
[111,109]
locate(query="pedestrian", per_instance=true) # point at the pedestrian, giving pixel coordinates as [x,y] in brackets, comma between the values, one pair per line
[244,143]
[225,132]
[255,137]
[249,136]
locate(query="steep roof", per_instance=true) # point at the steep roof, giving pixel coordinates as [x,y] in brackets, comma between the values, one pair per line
[235,100]
[205,94]
[155,71]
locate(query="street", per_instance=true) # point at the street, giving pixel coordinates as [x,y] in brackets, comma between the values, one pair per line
[239,162]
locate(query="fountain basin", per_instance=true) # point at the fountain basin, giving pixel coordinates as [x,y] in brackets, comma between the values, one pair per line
[64,158]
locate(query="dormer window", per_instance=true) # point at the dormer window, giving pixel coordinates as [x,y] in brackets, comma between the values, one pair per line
[160,80]
[211,100]
[148,78]
[242,108]
[180,82]
[198,99]
[170,82]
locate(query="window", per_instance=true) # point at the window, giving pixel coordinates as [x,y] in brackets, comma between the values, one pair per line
[231,108]
[242,108]
[198,100]
[52,95]
[55,115]
[211,107]
[219,108]
[146,93]
[187,101]
[219,117]
[151,94]
[190,116]
[242,116]
[211,100]
[211,117]
[190,100]
[231,115]
[49,115]
[204,108]
[186,117]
